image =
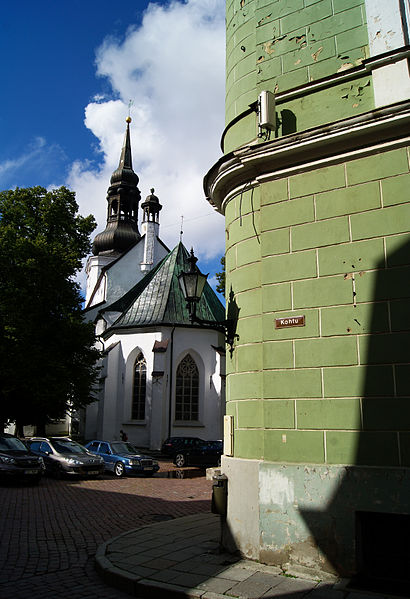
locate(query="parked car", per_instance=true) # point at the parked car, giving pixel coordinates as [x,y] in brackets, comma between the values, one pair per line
[17,461]
[186,451]
[63,456]
[171,445]
[123,458]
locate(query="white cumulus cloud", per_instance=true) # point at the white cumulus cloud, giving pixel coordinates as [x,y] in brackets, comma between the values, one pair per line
[172,69]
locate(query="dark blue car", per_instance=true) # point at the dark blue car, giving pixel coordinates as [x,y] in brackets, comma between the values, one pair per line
[123,458]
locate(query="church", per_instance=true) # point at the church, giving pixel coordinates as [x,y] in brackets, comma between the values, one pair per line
[161,374]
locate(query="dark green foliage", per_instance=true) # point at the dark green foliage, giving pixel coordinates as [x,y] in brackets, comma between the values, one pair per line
[220,276]
[47,358]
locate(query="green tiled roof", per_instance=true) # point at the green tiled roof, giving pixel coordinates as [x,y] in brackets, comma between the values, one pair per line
[158,300]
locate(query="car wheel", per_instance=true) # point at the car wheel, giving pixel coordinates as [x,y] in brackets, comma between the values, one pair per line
[119,469]
[180,460]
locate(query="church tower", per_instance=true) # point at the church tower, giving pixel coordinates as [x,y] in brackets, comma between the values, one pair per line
[121,231]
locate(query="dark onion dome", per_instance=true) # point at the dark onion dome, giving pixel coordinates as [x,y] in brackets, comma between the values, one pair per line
[123,197]
[151,206]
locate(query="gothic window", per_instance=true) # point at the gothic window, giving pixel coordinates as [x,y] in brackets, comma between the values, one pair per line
[187,390]
[139,388]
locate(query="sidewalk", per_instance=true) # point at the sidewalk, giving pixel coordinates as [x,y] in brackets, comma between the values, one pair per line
[181,558]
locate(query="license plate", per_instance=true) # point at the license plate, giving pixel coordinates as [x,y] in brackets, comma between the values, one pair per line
[31,472]
[147,468]
[93,472]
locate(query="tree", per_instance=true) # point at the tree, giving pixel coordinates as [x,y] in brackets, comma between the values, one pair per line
[220,276]
[47,358]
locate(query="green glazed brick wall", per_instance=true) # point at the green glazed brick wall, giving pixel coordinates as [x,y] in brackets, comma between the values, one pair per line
[333,245]
[282,44]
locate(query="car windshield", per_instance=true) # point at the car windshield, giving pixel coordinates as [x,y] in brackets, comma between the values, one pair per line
[123,448]
[67,446]
[7,443]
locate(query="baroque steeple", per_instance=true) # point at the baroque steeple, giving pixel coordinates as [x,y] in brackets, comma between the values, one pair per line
[123,197]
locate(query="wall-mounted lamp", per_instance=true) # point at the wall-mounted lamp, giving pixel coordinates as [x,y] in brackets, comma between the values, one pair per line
[192,284]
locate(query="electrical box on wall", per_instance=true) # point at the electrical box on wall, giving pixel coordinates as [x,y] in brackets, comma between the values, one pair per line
[266,110]
[228,435]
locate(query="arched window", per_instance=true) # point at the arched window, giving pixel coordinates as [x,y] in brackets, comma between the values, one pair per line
[187,390]
[139,388]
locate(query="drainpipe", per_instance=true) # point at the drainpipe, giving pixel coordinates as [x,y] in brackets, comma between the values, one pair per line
[171,368]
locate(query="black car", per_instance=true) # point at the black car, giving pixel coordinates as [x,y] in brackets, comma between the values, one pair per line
[17,461]
[63,456]
[186,451]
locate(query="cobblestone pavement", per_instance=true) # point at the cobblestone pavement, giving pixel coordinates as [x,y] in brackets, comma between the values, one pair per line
[50,533]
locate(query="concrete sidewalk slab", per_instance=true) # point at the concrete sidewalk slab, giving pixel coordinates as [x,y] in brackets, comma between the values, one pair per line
[181,558]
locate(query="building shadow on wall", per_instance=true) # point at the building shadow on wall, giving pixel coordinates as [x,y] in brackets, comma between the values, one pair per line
[364,530]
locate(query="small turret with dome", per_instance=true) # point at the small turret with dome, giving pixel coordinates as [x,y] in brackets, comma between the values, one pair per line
[123,197]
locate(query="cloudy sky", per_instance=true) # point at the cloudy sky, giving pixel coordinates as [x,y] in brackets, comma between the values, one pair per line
[69,73]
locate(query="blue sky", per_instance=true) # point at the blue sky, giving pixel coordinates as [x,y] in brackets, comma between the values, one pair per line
[69,71]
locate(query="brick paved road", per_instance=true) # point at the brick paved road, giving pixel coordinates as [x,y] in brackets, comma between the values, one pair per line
[49,534]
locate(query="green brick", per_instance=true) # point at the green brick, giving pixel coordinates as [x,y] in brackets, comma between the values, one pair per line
[391,283]
[276,297]
[281,8]
[329,232]
[400,315]
[291,80]
[386,414]
[294,446]
[230,408]
[397,250]
[358,381]
[249,330]
[279,414]
[287,213]
[248,444]
[247,252]
[351,257]
[245,66]
[244,386]
[275,242]
[377,166]
[341,5]
[309,55]
[307,16]
[328,291]
[323,179]
[364,448]
[384,349]
[230,259]
[268,69]
[403,379]
[246,277]
[250,414]
[386,221]
[274,191]
[249,302]
[395,190]
[328,414]
[353,38]
[348,200]
[289,384]
[249,357]
[278,354]
[405,448]
[338,23]
[311,328]
[289,267]
[335,351]
[350,320]
[244,228]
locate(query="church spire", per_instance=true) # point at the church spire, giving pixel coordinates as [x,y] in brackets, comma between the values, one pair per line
[123,197]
